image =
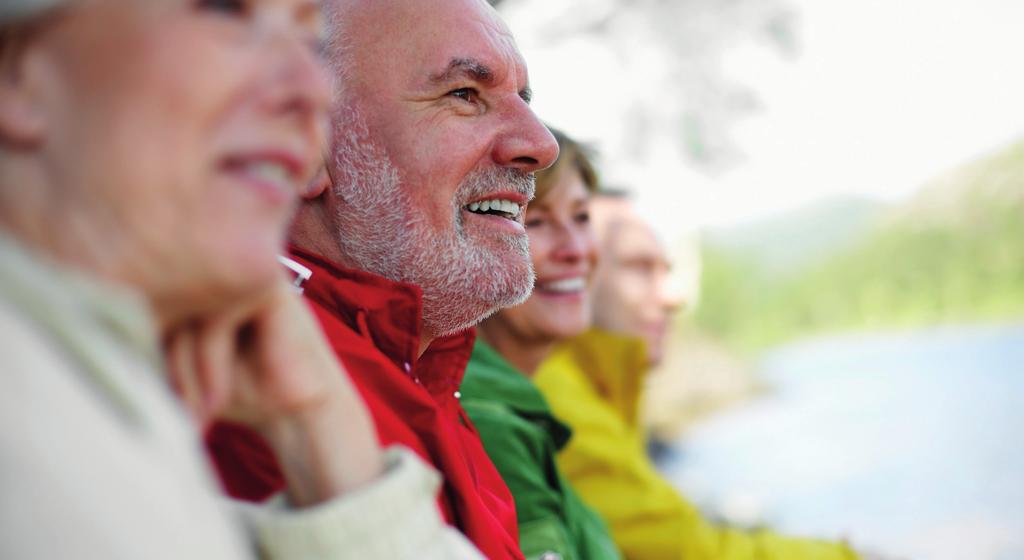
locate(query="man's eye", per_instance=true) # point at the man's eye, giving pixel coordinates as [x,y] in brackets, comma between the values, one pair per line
[469,95]
[582,217]
[238,7]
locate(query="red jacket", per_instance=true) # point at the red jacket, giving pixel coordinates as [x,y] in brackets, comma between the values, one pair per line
[373,325]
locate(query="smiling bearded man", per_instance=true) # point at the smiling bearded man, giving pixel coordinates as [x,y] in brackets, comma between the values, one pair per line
[381,229]
[414,234]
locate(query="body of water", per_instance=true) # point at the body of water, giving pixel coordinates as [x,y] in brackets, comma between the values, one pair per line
[907,443]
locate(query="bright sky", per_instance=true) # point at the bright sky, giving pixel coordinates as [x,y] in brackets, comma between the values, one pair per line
[883,96]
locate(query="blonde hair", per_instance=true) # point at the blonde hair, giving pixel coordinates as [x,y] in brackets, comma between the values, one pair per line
[572,156]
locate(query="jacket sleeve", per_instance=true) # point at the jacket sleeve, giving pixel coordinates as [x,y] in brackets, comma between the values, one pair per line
[525,459]
[395,518]
[648,518]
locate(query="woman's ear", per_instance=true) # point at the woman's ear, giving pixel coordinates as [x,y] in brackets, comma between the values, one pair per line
[317,185]
[22,103]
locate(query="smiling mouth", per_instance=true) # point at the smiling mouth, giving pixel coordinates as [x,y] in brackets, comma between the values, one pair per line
[276,172]
[268,171]
[564,286]
[498,207]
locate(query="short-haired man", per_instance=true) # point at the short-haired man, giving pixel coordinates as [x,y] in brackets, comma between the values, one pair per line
[633,294]
[415,234]
[593,384]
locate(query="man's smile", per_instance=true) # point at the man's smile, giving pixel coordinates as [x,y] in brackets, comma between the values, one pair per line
[496,207]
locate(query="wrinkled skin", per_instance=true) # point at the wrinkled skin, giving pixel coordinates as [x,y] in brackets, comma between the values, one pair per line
[436,96]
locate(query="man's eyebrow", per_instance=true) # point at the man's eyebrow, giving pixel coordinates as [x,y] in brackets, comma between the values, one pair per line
[460,68]
[464,68]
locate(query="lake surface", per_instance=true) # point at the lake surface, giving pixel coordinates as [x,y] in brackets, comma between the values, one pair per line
[909,443]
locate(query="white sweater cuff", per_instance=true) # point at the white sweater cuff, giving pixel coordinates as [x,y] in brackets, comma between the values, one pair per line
[393,518]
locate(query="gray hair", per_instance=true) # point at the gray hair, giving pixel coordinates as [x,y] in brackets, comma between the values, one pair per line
[17,11]
[336,47]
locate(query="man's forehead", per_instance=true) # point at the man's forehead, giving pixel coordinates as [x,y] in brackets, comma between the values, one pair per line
[608,212]
[626,235]
[633,234]
[422,40]
[477,46]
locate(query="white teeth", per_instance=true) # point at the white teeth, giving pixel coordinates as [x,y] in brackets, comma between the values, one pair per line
[568,285]
[269,171]
[506,206]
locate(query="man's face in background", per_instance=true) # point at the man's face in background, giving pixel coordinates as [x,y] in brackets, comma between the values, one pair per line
[632,293]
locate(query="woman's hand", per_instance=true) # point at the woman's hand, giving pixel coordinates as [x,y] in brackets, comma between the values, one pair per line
[268,365]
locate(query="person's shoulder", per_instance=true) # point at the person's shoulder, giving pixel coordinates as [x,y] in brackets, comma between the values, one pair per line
[30,356]
[489,398]
[480,379]
[493,420]
[489,415]
[508,436]
[561,375]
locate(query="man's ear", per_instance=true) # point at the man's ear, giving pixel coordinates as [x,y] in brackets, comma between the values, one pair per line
[317,185]
[22,103]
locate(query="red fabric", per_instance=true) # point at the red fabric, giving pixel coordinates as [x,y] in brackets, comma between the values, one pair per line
[372,324]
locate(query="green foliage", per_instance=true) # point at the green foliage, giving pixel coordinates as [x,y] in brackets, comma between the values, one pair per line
[955,254]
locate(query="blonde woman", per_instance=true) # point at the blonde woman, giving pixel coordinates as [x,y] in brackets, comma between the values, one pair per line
[518,429]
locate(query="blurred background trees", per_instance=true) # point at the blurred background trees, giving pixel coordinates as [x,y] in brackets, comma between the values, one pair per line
[822,170]
[954,253]
[684,94]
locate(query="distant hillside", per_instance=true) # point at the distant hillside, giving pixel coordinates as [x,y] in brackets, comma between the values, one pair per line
[966,196]
[955,252]
[784,244]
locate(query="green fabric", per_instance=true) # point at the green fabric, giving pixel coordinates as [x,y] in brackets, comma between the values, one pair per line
[521,437]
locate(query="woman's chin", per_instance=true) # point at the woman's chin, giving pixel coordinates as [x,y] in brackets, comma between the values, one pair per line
[235,280]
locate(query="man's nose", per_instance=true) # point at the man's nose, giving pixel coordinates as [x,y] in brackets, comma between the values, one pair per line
[525,144]
[670,294]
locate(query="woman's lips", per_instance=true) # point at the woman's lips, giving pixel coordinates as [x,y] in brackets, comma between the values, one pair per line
[274,174]
[563,286]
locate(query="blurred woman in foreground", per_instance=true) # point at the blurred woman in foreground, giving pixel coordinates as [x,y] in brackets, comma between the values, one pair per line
[537,366]
[150,156]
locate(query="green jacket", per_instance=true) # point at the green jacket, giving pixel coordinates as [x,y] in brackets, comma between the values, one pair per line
[521,437]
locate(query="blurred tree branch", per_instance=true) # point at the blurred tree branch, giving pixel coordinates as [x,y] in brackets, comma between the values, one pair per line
[697,99]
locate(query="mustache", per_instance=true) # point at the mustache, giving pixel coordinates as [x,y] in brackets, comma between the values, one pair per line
[487,181]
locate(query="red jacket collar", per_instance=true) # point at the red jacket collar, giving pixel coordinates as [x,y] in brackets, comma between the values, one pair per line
[388,313]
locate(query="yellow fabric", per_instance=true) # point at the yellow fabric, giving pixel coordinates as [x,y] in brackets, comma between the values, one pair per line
[593,385]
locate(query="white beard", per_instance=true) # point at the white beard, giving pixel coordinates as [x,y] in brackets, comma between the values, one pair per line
[381,231]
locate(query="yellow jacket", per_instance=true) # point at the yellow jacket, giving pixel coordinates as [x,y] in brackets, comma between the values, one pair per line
[593,384]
